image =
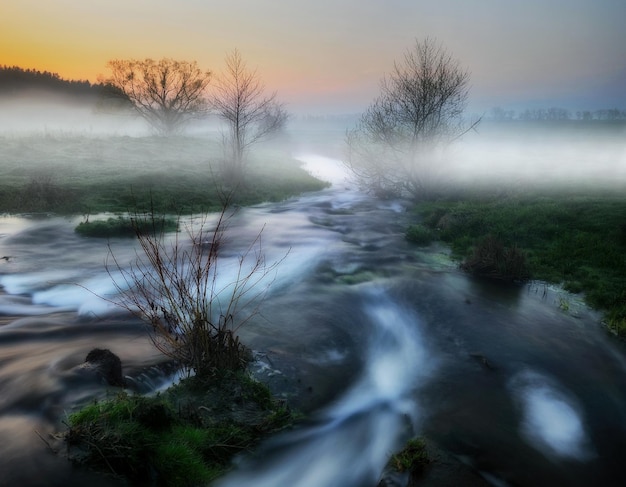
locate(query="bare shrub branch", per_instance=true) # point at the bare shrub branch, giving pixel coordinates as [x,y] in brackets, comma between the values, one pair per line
[193,303]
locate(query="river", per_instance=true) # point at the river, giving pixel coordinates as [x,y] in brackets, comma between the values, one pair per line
[377,339]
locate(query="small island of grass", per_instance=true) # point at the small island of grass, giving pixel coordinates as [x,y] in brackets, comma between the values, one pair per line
[186,435]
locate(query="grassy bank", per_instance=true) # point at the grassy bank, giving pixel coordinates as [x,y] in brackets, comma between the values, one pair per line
[83,175]
[187,435]
[572,238]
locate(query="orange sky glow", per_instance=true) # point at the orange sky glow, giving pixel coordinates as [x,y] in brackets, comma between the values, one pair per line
[327,55]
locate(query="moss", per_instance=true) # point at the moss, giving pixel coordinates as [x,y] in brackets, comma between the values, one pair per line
[413,458]
[419,234]
[185,436]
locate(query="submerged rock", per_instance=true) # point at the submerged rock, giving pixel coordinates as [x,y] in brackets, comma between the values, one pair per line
[107,366]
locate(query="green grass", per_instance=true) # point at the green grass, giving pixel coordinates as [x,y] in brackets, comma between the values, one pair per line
[175,175]
[575,239]
[187,435]
[124,227]
[413,458]
[419,234]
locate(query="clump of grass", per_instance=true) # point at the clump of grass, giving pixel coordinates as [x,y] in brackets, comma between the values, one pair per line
[616,317]
[186,436]
[181,461]
[114,435]
[490,258]
[413,458]
[124,227]
[37,193]
[419,234]
[44,193]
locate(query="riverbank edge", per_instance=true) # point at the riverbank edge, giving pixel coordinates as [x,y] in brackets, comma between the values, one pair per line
[187,434]
[575,241]
[251,402]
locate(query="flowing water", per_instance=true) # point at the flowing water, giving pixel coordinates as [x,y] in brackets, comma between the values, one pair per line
[377,339]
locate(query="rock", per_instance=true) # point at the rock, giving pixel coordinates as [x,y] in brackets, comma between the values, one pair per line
[107,365]
[393,478]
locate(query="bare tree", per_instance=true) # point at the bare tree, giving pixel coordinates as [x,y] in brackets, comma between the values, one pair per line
[394,148]
[166,93]
[251,115]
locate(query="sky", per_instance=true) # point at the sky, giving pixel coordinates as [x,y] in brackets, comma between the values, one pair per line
[328,56]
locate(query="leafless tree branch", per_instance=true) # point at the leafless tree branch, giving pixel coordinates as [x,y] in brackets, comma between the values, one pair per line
[239,99]
[419,111]
[166,93]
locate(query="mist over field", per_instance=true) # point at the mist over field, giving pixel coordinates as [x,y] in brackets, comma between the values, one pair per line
[559,153]
[511,153]
[42,114]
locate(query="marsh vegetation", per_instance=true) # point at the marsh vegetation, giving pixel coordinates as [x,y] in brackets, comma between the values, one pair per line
[72,174]
[575,237]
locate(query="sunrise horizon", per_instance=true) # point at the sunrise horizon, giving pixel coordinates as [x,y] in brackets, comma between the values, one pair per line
[323,57]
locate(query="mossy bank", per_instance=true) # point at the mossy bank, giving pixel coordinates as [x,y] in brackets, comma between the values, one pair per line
[186,435]
[576,238]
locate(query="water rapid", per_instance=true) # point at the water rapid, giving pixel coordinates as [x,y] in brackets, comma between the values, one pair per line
[375,339]
[349,442]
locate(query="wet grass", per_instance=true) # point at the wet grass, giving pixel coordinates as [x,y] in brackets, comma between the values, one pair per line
[413,458]
[124,227]
[176,175]
[574,238]
[419,234]
[187,435]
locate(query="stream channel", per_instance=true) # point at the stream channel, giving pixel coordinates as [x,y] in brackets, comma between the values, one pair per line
[376,339]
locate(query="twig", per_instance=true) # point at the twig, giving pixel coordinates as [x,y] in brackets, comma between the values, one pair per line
[46,442]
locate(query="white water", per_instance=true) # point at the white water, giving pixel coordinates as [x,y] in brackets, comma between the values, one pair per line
[368,422]
[551,420]
[351,441]
[572,410]
[325,168]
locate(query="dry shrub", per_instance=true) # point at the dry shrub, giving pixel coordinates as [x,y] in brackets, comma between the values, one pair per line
[177,288]
[490,258]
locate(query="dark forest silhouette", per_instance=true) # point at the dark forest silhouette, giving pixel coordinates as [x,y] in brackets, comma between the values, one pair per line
[16,81]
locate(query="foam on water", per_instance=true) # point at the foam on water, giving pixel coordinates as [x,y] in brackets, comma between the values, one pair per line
[552,420]
[369,422]
[22,306]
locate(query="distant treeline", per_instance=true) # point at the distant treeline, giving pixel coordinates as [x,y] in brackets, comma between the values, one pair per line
[15,81]
[556,114]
